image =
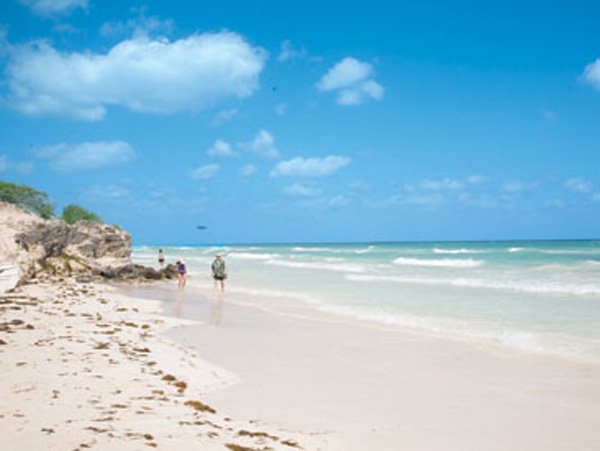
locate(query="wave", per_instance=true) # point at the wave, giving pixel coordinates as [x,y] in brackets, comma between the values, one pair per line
[556,251]
[456,251]
[568,251]
[364,251]
[332,250]
[251,256]
[530,342]
[452,263]
[528,287]
[338,267]
[315,249]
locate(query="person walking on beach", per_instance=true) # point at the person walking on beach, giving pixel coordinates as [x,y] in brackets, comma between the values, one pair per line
[181,273]
[219,271]
[161,258]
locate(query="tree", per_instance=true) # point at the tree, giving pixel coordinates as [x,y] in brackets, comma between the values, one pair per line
[73,213]
[27,198]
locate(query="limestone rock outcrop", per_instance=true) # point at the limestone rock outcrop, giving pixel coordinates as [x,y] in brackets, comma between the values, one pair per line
[84,249]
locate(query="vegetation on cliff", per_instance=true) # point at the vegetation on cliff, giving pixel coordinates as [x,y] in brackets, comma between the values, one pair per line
[73,213]
[34,201]
[27,198]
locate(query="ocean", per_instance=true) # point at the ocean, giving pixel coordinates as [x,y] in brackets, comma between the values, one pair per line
[538,297]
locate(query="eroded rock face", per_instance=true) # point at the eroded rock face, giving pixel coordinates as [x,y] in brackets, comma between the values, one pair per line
[84,239]
[84,249]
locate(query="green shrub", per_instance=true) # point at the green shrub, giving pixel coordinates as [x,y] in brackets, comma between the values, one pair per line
[73,213]
[27,198]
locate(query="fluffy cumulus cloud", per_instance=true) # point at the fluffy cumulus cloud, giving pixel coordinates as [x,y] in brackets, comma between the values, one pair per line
[86,156]
[310,167]
[53,7]
[591,74]
[352,80]
[205,172]
[141,74]
[262,145]
[221,149]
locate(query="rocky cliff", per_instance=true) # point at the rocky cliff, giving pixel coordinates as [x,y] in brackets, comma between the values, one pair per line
[42,248]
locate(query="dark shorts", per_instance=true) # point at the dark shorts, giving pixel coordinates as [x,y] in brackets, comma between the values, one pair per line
[220,277]
[161,260]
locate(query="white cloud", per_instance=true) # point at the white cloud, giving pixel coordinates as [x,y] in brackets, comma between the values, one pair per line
[3,163]
[138,26]
[360,93]
[344,74]
[223,116]
[579,185]
[299,190]
[288,52]
[479,200]
[86,155]
[248,170]
[476,179]
[352,80]
[140,74]
[205,172]
[110,191]
[591,74]
[442,184]
[422,200]
[310,167]
[263,145]
[221,149]
[281,108]
[518,186]
[53,7]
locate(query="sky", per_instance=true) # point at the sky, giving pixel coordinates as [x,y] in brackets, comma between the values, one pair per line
[305,121]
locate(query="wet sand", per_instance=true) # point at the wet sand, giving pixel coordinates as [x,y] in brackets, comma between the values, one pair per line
[358,387]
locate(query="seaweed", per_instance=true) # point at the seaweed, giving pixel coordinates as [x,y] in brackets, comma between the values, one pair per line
[199,406]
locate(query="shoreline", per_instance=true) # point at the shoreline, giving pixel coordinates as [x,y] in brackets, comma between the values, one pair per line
[362,386]
[85,366]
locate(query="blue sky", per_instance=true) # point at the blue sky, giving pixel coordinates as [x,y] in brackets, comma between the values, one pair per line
[308,121]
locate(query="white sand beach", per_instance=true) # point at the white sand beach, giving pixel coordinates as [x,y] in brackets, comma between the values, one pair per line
[363,387]
[83,366]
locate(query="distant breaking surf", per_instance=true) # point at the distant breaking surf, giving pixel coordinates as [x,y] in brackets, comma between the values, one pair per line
[446,262]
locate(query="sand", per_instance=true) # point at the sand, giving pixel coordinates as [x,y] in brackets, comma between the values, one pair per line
[84,366]
[359,387]
[93,366]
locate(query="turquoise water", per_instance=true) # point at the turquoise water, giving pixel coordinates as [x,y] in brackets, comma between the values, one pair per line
[537,296]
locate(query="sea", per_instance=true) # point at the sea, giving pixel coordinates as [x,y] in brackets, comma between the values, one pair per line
[539,297]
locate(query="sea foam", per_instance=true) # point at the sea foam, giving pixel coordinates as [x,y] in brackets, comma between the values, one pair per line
[446,262]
